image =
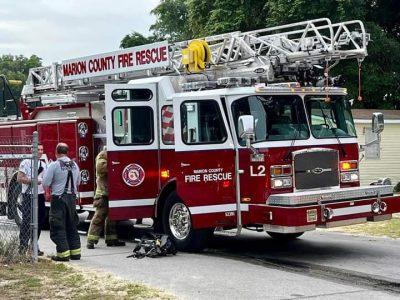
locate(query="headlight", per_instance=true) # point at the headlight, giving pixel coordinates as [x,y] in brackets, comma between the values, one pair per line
[282,182]
[349,177]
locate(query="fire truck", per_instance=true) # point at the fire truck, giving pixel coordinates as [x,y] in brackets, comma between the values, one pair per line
[242,130]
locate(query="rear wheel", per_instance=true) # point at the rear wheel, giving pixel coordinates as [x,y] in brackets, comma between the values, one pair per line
[177,223]
[284,236]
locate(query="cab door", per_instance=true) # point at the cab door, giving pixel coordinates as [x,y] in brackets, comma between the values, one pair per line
[132,149]
[205,160]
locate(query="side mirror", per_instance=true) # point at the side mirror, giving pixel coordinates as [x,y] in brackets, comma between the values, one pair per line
[246,128]
[378,123]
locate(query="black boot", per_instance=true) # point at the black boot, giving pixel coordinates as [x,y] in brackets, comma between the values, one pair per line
[90,245]
[58,258]
[76,257]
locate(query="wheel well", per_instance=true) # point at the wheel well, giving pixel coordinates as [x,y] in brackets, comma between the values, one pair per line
[168,189]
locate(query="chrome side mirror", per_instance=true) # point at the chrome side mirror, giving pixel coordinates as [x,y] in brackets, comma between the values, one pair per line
[246,128]
[378,123]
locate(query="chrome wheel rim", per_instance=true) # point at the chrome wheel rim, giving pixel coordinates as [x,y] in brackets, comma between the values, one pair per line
[179,221]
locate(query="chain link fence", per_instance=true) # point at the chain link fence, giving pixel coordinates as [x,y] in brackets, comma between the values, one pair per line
[18,204]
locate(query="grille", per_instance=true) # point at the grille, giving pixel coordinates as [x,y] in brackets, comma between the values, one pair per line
[316,168]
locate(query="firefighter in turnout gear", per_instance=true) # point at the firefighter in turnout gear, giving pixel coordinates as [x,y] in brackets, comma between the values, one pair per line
[100,219]
[63,177]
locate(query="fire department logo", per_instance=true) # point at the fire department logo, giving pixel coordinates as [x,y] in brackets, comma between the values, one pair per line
[133,175]
[82,129]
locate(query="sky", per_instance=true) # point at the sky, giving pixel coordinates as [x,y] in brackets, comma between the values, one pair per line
[57,30]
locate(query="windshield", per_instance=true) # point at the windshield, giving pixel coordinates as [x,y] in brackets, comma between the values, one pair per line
[330,118]
[277,118]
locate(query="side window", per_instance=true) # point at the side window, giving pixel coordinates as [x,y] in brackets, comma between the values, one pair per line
[132,95]
[202,122]
[167,120]
[133,125]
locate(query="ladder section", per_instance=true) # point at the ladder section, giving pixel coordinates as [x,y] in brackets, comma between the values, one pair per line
[269,54]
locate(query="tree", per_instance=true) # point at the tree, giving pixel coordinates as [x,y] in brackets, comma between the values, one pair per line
[179,20]
[171,23]
[386,13]
[380,70]
[284,12]
[15,68]
[233,15]
[136,39]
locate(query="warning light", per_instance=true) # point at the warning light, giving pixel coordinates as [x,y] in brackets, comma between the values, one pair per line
[164,173]
[348,165]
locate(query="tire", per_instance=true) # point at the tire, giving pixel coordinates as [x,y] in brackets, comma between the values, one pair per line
[177,223]
[158,226]
[14,198]
[284,236]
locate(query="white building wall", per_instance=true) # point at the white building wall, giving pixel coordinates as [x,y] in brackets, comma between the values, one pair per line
[389,163]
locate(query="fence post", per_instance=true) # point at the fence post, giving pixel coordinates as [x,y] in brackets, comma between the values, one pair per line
[35,142]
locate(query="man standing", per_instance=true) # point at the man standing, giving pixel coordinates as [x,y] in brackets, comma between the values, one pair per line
[25,176]
[63,178]
[100,219]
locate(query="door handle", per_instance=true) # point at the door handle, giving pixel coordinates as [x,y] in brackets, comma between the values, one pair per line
[115,163]
[184,165]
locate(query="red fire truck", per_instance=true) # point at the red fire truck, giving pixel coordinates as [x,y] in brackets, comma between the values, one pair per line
[238,130]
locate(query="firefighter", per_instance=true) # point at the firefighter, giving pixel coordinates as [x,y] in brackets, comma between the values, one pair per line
[25,177]
[63,178]
[100,219]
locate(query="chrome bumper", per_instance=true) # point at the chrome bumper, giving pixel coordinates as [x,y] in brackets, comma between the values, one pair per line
[330,195]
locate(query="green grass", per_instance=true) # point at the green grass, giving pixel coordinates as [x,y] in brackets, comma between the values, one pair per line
[389,228]
[48,280]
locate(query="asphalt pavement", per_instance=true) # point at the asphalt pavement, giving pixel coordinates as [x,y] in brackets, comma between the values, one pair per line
[208,276]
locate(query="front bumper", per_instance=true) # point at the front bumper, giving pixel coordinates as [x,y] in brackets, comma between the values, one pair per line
[330,195]
[304,211]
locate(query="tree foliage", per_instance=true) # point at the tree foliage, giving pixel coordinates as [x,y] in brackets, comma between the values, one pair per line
[225,16]
[380,70]
[386,14]
[15,68]
[136,39]
[185,19]
[171,20]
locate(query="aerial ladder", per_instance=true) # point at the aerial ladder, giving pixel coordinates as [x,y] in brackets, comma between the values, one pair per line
[298,52]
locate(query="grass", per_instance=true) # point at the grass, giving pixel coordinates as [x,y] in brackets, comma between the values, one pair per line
[389,228]
[48,280]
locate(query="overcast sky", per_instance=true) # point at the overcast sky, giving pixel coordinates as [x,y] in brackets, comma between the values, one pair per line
[56,30]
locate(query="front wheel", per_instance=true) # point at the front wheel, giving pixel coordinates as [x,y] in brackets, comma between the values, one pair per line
[284,236]
[177,222]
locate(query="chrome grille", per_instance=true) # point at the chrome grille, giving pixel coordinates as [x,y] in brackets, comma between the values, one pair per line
[316,168]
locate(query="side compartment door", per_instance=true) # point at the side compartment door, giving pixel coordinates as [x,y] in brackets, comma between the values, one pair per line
[205,160]
[132,149]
